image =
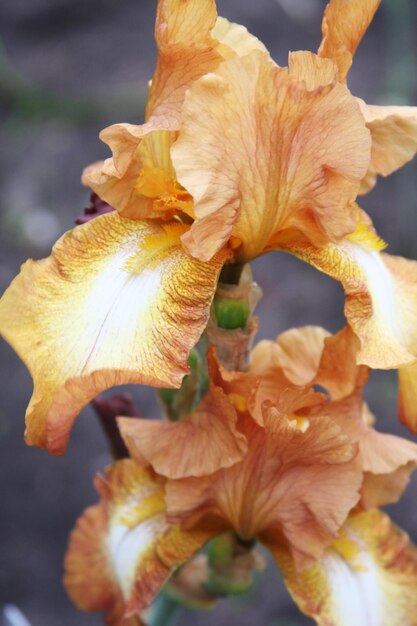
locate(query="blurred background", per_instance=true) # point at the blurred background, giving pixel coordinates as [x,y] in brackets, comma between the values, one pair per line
[68,68]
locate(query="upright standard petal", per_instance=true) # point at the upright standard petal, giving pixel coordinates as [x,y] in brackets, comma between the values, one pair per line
[197,445]
[394,139]
[118,302]
[344,24]
[261,151]
[122,550]
[367,578]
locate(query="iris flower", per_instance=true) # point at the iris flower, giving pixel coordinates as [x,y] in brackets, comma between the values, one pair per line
[308,487]
[237,157]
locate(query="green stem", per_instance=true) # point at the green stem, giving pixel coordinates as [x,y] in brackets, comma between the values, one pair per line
[165,611]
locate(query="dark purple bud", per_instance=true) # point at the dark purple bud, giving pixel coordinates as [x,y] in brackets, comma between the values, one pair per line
[107,410]
[96,207]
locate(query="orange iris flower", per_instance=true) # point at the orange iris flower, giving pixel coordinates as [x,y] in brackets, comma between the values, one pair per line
[237,156]
[307,486]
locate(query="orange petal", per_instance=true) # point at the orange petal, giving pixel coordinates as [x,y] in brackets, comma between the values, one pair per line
[344,24]
[139,179]
[407,396]
[338,371]
[198,445]
[367,578]
[387,460]
[394,139]
[381,298]
[260,152]
[299,485]
[234,37]
[123,550]
[118,302]
[297,352]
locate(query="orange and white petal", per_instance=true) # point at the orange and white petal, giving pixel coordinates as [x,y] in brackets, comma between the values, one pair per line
[381,298]
[407,396]
[197,445]
[394,139]
[261,152]
[344,24]
[297,352]
[139,179]
[367,578]
[118,301]
[122,550]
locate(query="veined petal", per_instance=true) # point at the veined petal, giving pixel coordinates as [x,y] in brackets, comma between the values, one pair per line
[270,492]
[381,298]
[387,460]
[367,578]
[344,24]
[297,160]
[139,179]
[297,352]
[118,302]
[407,396]
[394,139]
[123,549]
[197,445]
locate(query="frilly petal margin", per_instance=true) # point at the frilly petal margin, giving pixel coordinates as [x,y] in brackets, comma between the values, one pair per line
[367,578]
[117,302]
[394,139]
[122,550]
[205,441]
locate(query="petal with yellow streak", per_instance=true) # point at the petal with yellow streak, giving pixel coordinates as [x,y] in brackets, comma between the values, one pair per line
[295,484]
[381,298]
[118,302]
[139,179]
[367,578]
[394,139]
[197,445]
[260,151]
[407,396]
[123,550]
[344,24]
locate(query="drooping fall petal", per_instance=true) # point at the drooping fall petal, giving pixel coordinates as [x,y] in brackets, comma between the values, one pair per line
[118,302]
[367,578]
[394,139]
[299,153]
[344,24]
[381,298]
[122,550]
[197,445]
